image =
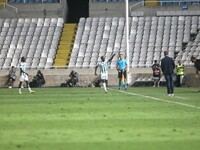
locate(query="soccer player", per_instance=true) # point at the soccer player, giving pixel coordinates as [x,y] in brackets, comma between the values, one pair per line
[103,70]
[122,71]
[167,66]
[23,76]
[197,66]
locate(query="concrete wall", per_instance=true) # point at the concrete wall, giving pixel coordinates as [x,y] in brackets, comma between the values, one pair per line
[151,11]
[106,9]
[35,10]
[118,9]
[55,77]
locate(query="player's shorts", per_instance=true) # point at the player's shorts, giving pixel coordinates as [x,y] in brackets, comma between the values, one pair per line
[12,78]
[156,78]
[104,76]
[23,77]
[122,72]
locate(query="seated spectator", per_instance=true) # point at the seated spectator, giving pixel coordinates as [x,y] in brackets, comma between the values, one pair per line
[38,80]
[12,76]
[73,79]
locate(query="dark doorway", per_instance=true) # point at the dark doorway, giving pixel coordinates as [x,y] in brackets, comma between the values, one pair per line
[77,9]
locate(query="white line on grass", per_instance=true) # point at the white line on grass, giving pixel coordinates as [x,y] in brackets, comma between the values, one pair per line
[157,99]
[181,97]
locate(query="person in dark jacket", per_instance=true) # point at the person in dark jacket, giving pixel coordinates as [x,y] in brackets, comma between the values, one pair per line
[40,78]
[197,66]
[73,79]
[167,67]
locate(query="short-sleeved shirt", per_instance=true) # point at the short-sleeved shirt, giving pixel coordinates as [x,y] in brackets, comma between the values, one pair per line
[121,63]
[103,70]
[103,66]
[12,73]
[22,68]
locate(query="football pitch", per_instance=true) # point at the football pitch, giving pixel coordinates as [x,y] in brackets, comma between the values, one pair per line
[89,119]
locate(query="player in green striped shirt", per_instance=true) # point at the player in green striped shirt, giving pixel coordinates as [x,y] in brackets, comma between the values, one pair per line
[103,70]
[23,76]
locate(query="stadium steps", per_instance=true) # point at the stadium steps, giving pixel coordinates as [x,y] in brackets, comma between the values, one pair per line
[150,3]
[2,3]
[65,45]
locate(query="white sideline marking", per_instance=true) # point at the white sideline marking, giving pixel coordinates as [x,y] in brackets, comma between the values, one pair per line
[158,99]
[181,97]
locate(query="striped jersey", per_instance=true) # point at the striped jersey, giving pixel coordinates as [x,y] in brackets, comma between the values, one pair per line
[12,72]
[103,66]
[22,68]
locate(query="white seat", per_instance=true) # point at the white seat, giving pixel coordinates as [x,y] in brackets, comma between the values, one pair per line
[34,65]
[49,60]
[71,64]
[79,64]
[85,64]
[41,65]
[48,65]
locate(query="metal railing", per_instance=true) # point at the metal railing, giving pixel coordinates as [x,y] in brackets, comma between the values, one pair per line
[178,2]
[43,1]
[107,1]
[12,7]
[6,5]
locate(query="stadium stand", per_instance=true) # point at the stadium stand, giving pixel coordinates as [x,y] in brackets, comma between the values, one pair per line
[178,13]
[44,41]
[34,1]
[65,45]
[149,37]
[178,2]
[115,0]
[36,38]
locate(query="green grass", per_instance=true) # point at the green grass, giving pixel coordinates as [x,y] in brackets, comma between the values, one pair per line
[89,119]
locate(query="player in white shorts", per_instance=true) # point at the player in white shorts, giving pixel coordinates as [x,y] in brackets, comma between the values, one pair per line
[23,76]
[103,70]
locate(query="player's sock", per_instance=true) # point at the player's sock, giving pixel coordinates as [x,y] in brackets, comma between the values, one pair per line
[104,87]
[20,91]
[125,84]
[30,89]
[120,84]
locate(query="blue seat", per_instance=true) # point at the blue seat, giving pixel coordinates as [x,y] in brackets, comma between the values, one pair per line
[184,7]
[56,1]
[177,2]
[116,0]
[12,1]
[50,1]
[29,1]
[19,1]
[38,1]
